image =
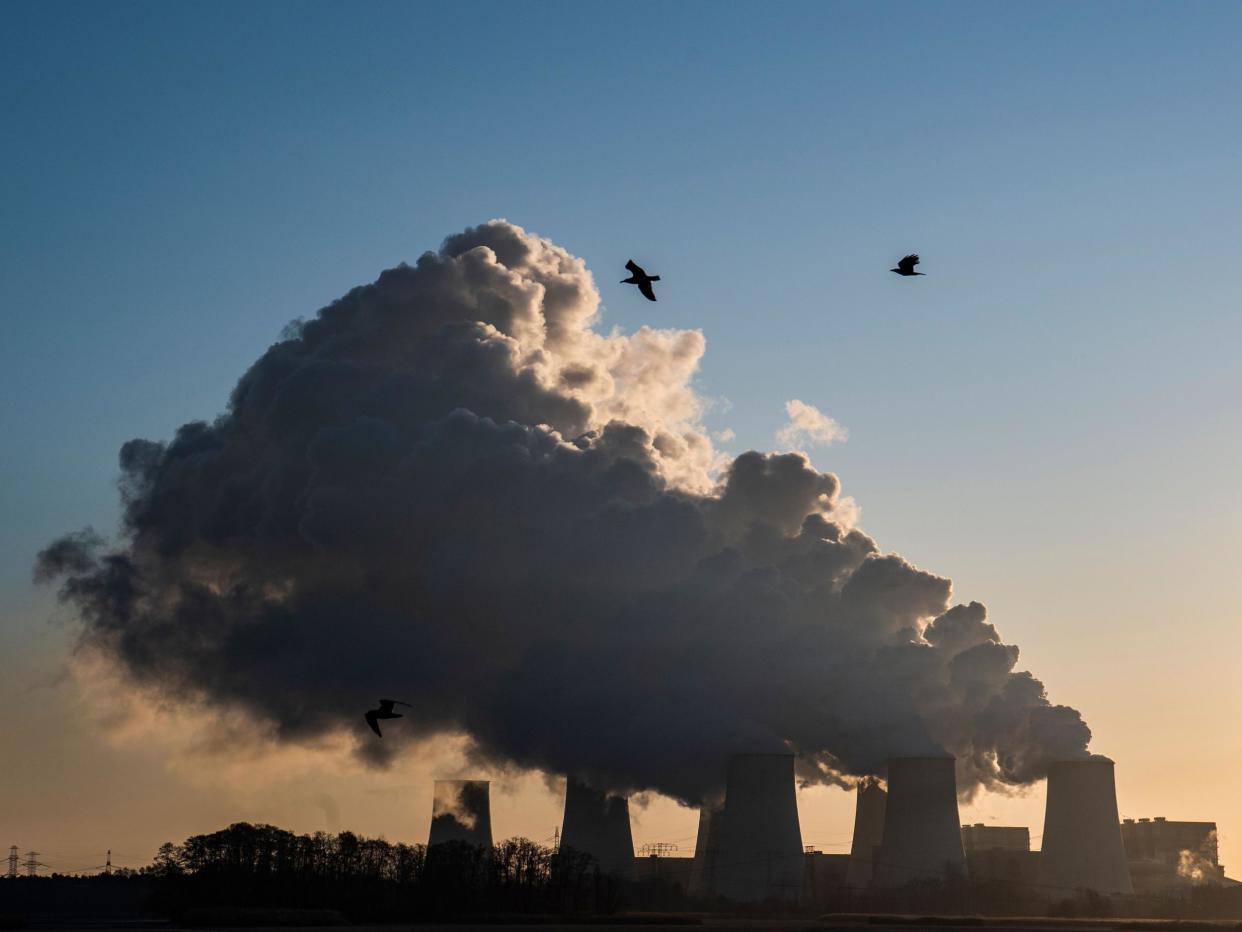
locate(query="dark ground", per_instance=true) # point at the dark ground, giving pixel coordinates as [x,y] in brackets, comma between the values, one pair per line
[681,923]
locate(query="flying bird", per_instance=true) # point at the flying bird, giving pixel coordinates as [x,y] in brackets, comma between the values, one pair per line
[641,279]
[906,266]
[384,711]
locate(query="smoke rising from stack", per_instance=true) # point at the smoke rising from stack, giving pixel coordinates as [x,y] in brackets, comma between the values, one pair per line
[1199,866]
[461,810]
[599,825]
[448,486]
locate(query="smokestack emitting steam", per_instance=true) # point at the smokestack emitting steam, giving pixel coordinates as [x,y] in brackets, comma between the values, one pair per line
[599,825]
[1082,847]
[922,837]
[461,810]
[453,457]
[868,833]
[760,855]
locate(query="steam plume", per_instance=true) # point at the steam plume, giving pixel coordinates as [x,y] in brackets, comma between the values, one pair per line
[448,486]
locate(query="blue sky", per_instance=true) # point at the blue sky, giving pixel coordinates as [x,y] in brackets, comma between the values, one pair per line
[1050,416]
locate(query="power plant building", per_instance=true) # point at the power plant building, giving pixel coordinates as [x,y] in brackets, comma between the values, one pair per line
[1167,857]
[461,811]
[868,832]
[922,837]
[673,869]
[981,837]
[1159,839]
[749,846]
[823,877]
[759,855]
[598,824]
[1000,853]
[1082,848]
[706,849]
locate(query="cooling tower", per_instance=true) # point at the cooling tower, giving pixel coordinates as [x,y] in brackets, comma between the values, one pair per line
[706,846]
[760,854]
[921,839]
[461,811]
[868,833]
[598,825]
[1082,848]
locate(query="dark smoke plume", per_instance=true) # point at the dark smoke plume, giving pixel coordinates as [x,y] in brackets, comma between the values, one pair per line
[448,487]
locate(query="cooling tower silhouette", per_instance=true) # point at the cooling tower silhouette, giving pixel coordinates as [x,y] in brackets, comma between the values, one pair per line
[868,833]
[598,825]
[461,811]
[760,854]
[706,848]
[921,839]
[1082,847]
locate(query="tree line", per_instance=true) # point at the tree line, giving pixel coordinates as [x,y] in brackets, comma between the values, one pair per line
[264,866]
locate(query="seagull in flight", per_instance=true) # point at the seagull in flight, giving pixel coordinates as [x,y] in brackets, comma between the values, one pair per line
[384,711]
[906,266]
[641,279]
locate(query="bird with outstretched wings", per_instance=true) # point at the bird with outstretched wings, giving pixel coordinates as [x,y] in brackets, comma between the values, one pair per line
[384,711]
[641,279]
[907,264]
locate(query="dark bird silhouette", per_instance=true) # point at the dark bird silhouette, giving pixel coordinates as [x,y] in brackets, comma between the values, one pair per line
[906,266]
[641,279]
[384,711]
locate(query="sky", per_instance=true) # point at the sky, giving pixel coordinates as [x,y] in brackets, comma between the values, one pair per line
[1049,417]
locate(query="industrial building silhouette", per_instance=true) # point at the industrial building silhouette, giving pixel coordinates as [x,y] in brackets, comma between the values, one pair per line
[461,811]
[749,844]
[598,824]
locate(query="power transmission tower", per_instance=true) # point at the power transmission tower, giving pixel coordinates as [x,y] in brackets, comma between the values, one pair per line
[658,849]
[32,864]
[108,866]
[12,861]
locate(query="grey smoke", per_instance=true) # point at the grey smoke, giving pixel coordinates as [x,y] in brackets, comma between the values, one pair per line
[448,486]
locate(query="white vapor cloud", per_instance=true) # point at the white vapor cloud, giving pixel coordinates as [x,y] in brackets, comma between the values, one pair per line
[808,425]
[449,486]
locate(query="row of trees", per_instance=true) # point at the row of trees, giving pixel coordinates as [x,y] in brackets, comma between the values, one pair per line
[263,866]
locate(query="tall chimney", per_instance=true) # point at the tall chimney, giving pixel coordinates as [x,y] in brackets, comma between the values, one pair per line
[1082,847]
[868,833]
[921,839]
[706,848]
[598,825]
[461,811]
[760,855]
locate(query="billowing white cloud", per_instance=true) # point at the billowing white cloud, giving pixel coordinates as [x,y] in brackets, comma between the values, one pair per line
[808,425]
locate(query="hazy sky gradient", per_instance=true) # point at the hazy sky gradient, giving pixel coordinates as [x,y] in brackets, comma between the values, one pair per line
[1050,417]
